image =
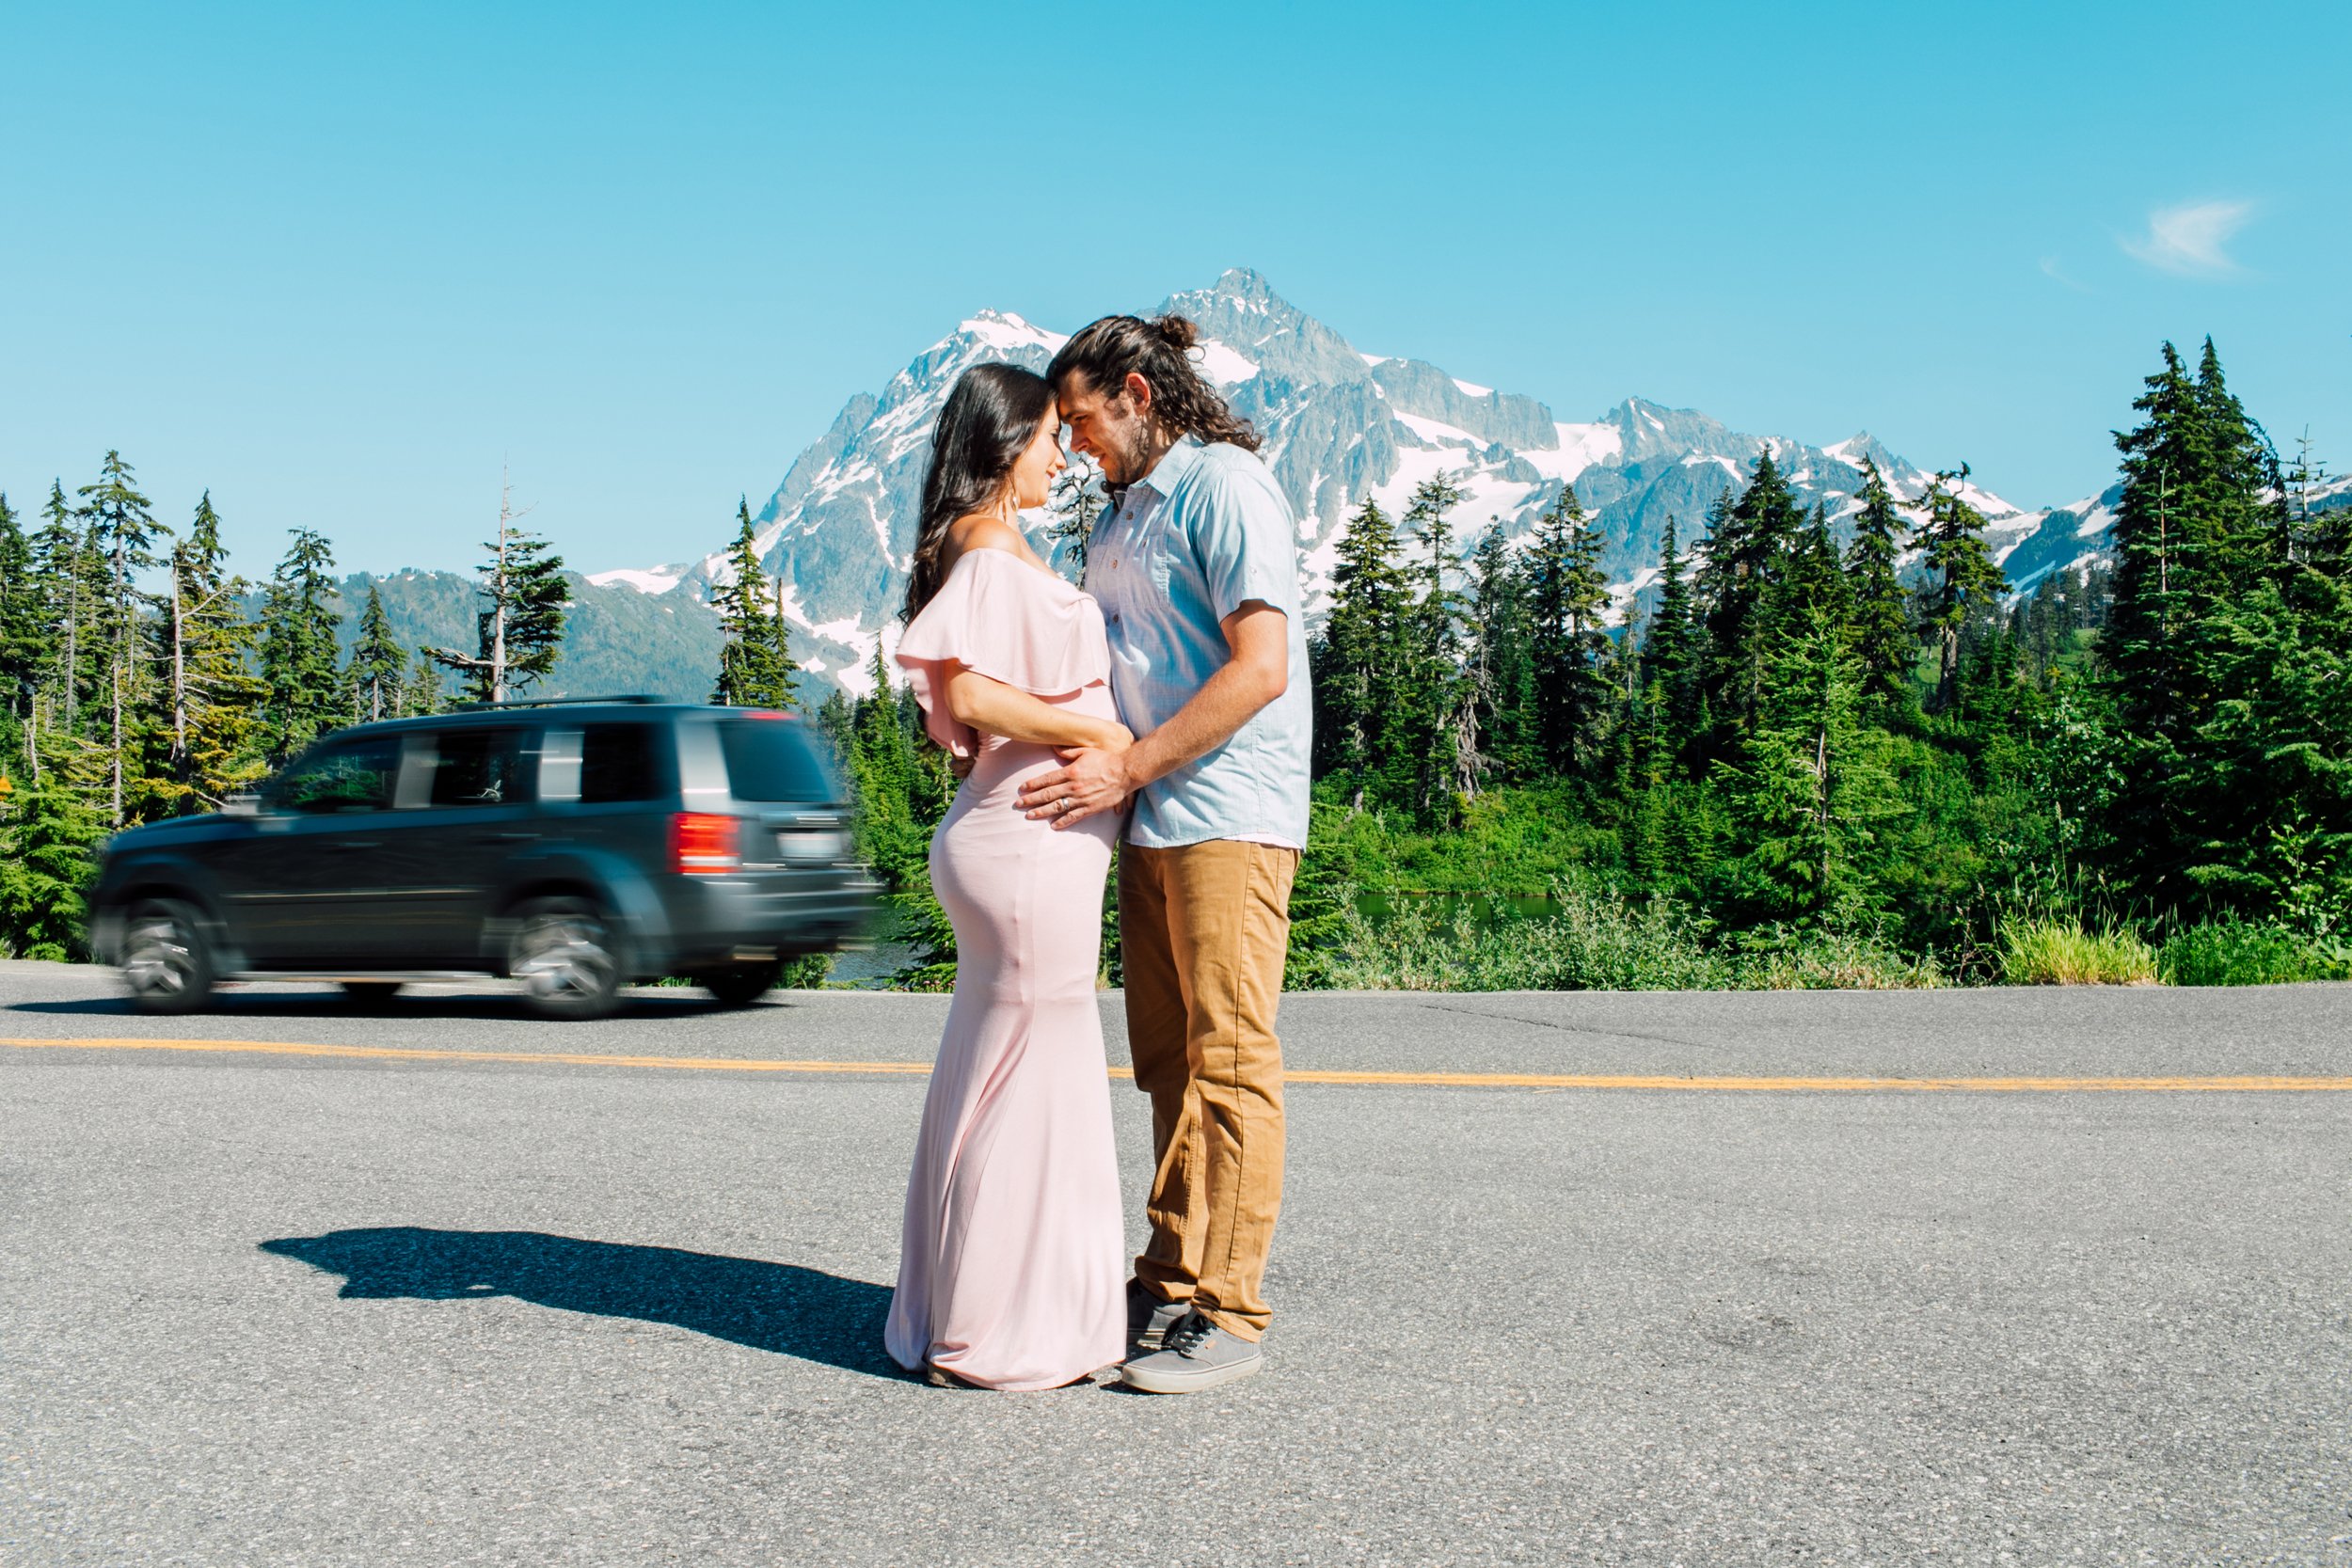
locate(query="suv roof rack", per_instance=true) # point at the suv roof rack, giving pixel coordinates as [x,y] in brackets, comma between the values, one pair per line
[638,699]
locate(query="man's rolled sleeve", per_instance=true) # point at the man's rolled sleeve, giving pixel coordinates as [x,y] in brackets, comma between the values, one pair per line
[1246,551]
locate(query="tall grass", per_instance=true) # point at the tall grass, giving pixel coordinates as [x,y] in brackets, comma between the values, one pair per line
[2061,951]
[1596,939]
[2234,952]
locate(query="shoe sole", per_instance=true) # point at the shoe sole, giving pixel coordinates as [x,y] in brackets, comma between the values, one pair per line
[1190,1383]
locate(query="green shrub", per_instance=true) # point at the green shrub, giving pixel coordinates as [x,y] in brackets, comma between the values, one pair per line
[1783,959]
[2059,952]
[2233,952]
[1595,941]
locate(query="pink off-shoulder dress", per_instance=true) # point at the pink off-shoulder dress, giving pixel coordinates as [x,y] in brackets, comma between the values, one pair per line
[1012,1272]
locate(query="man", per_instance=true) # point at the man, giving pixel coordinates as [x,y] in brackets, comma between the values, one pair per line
[1196,571]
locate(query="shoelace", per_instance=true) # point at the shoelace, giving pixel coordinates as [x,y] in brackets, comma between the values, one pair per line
[1191,1332]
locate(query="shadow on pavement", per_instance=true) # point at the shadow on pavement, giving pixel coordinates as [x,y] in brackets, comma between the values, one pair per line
[681,1002]
[770,1306]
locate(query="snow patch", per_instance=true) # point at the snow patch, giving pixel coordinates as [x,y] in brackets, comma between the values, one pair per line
[1581,446]
[659,580]
[1003,329]
[1473,388]
[1438,430]
[1223,365]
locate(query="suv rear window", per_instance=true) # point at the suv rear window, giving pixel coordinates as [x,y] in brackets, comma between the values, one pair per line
[479,767]
[348,775]
[771,759]
[617,764]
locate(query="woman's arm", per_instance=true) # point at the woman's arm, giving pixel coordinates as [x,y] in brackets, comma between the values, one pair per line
[993,707]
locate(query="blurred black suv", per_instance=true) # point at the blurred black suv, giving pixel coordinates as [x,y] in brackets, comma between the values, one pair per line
[575,846]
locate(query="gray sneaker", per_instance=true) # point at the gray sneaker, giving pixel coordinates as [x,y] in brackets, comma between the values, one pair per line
[1149,1318]
[1194,1354]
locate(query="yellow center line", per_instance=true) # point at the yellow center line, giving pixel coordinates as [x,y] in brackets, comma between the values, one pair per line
[1735,1083]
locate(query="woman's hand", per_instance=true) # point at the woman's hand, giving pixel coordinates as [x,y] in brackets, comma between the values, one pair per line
[1115,738]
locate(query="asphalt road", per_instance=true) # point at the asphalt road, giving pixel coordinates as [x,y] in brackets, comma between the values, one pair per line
[390,1310]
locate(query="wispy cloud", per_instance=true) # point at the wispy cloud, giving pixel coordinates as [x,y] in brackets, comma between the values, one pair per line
[2188,241]
[2051,269]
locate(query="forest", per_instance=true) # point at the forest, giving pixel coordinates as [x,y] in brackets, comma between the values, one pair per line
[1815,752]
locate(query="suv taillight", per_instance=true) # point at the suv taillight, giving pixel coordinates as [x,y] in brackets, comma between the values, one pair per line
[702,844]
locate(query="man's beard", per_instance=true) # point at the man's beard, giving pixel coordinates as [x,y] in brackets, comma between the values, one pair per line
[1127,451]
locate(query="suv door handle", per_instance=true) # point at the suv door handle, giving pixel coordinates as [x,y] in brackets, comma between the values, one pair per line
[505,838]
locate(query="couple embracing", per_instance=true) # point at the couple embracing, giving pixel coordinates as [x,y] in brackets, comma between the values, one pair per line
[1166,704]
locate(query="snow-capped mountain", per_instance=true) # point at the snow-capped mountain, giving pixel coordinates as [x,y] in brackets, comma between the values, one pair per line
[1342,426]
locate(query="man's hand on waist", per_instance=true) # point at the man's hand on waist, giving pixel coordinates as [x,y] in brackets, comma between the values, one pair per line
[1089,782]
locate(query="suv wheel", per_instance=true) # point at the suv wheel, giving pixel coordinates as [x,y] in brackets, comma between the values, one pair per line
[165,958]
[562,953]
[740,985]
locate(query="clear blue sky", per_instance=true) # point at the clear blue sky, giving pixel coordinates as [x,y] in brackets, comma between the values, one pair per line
[337,262]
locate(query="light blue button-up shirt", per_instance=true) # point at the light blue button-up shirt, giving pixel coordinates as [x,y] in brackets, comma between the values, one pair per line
[1204,531]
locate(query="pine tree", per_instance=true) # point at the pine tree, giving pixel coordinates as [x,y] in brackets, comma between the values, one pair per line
[755,665]
[422,696]
[1964,585]
[1439,711]
[1813,786]
[211,702]
[1670,655]
[1075,504]
[1359,672]
[69,575]
[122,529]
[883,775]
[2160,549]
[521,635]
[1567,600]
[299,653]
[50,830]
[1499,667]
[377,671]
[1884,645]
[23,636]
[1750,540]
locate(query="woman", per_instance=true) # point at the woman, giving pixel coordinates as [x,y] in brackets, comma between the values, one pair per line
[1012,1272]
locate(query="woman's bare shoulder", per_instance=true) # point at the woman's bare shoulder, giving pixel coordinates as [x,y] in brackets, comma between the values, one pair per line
[981,531]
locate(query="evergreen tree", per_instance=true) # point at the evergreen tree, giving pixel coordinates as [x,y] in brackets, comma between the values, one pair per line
[67,573]
[50,830]
[1749,539]
[1360,673]
[1500,668]
[1885,647]
[211,702]
[883,769]
[520,633]
[422,696]
[300,677]
[1075,504]
[1439,714]
[836,721]
[1964,585]
[756,666]
[1568,599]
[121,530]
[23,634]
[1814,787]
[377,672]
[1669,662]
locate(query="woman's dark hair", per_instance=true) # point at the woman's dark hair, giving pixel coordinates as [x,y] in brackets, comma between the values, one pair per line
[993,414]
[1109,350]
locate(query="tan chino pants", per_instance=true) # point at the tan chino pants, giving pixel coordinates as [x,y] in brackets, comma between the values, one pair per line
[1204,930]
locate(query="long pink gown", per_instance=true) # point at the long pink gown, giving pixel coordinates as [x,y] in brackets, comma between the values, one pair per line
[1012,1268]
